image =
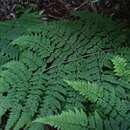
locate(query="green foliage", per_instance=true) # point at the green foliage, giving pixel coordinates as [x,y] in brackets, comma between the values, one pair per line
[110,112]
[10,30]
[35,56]
[120,67]
[89,90]
[71,120]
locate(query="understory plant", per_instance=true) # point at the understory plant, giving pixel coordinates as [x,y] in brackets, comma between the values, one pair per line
[36,56]
[109,112]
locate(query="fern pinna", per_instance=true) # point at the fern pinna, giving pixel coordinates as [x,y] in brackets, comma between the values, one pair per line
[31,83]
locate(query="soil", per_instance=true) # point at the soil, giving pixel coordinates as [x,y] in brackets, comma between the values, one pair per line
[59,9]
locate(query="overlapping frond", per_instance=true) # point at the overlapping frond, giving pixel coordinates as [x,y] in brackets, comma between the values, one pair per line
[36,58]
[110,112]
[71,120]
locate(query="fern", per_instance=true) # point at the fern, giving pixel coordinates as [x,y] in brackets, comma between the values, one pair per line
[76,119]
[10,30]
[110,111]
[36,58]
[89,90]
[67,120]
[100,96]
[119,65]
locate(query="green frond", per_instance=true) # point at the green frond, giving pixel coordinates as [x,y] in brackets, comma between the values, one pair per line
[66,121]
[74,100]
[74,120]
[119,65]
[32,61]
[5,105]
[25,42]
[35,56]
[113,109]
[28,112]
[90,91]
[53,99]
[13,117]
[123,52]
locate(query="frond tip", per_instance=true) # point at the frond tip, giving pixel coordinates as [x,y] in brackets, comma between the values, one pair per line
[120,67]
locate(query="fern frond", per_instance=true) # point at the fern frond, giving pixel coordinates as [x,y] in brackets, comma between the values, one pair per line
[119,65]
[24,42]
[13,117]
[5,104]
[102,98]
[66,121]
[74,100]
[74,119]
[53,99]
[16,76]
[112,117]
[34,57]
[33,100]
[89,90]
[32,61]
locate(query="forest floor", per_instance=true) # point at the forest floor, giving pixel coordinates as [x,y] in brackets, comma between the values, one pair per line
[60,9]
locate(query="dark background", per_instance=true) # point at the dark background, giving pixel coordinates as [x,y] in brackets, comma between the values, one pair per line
[57,9]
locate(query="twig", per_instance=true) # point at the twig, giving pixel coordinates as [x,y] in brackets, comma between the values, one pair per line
[84,3]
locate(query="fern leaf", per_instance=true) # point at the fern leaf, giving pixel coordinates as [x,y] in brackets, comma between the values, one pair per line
[65,120]
[14,116]
[69,120]
[119,65]
[34,58]
[51,104]
[32,61]
[90,90]
[5,104]
[102,98]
